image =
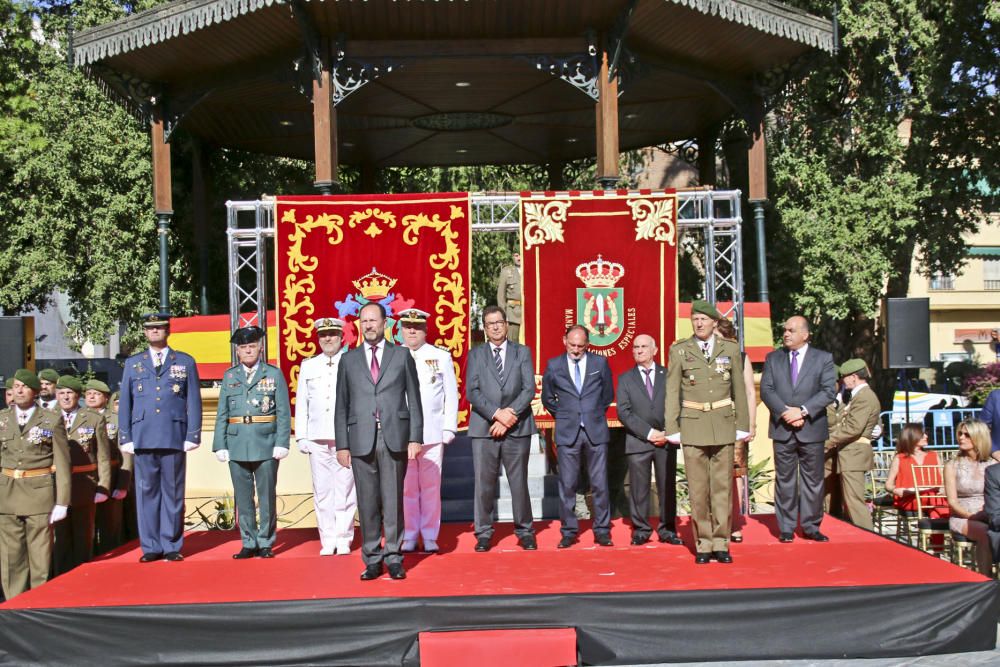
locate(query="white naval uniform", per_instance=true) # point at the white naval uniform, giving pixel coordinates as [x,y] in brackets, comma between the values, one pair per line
[422,484]
[333,484]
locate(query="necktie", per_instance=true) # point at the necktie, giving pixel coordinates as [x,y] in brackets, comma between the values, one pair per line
[22,418]
[250,372]
[498,360]
[795,367]
[577,378]
[68,419]
[705,351]
[374,366]
[649,382]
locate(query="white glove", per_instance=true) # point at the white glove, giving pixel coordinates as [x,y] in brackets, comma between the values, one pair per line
[447,436]
[191,446]
[100,498]
[674,438]
[58,513]
[127,447]
[305,446]
[279,453]
[119,494]
[742,435]
[222,455]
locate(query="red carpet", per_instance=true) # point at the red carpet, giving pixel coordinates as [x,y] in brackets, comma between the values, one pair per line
[853,557]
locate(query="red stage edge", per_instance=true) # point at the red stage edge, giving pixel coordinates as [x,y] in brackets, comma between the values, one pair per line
[858,596]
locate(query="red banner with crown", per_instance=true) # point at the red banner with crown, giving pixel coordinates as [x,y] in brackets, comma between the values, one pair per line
[337,253]
[605,260]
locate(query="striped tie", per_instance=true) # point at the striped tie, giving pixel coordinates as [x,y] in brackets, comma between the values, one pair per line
[498,361]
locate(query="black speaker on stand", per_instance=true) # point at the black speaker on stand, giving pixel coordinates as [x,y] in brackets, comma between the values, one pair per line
[907,340]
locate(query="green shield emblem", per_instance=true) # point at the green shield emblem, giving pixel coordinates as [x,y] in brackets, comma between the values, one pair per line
[600,310]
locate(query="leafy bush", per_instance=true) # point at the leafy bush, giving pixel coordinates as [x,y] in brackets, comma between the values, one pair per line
[980,383]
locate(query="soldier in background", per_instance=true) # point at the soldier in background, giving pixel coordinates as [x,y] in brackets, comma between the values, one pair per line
[252,432]
[48,377]
[439,398]
[509,296]
[90,457]
[34,486]
[109,513]
[9,395]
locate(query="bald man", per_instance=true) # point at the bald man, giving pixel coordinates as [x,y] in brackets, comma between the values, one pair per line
[798,382]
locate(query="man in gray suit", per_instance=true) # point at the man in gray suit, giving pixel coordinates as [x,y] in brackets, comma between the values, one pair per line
[991,486]
[500,385]
[577,390]
[379,425]
[641,406]
[798,382]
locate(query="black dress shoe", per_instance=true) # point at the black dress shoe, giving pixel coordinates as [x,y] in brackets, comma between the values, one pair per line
[174,556]
[483,544]
[786,537]
[245,552]
[702,558]
[149,558]
[373,571]
[528,543]
[566,542]
[603,540]
[396,571]
[266,552]
[736,537]
[638,539]
[722,556]
[816,537]
[671,538]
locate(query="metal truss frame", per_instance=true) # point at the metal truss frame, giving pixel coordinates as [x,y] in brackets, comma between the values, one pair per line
[709,223]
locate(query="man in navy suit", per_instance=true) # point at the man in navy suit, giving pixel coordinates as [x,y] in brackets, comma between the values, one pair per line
[159,420]
[991,417]
[577,390]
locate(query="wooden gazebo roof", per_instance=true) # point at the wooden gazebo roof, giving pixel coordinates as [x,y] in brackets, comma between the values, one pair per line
[458,82]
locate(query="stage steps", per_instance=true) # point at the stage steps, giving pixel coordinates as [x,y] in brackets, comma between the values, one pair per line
[524,647]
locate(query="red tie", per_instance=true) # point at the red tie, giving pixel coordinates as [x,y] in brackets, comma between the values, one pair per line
[374,366]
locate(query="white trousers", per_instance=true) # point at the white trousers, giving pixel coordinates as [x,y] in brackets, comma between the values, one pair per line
[422,494]
[333,494]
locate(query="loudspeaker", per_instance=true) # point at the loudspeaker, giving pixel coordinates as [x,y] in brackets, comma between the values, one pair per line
[17,344]
[907,326]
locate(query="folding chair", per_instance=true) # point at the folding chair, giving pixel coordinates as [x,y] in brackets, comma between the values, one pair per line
[932,502]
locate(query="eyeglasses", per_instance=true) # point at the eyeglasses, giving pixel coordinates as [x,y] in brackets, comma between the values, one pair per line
[493,325]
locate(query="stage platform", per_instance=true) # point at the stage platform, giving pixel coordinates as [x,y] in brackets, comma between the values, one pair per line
[860,595]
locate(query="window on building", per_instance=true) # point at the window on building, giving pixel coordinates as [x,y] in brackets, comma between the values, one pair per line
[991,273]
[942,281]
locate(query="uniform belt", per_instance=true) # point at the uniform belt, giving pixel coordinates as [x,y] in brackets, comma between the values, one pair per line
[253,419]
[90,467]
[34,472]
[513,302]
[707,407]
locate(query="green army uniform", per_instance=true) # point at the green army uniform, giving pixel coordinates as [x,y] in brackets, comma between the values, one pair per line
[707,404]
[90,457]
[110,514]
[36,478]
[849,455]
[509,298]
[254,418]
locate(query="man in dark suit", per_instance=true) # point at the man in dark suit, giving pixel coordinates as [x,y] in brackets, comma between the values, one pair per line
[500,385]
[991,417]
[798,382]
[379,425]
[641,402]
[577,390]
[992,509]
[159,420]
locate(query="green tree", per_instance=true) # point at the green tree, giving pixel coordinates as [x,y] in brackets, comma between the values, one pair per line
[857,196]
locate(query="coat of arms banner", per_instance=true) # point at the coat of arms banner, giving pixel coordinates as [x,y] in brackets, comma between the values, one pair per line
[604,260]
[337,253]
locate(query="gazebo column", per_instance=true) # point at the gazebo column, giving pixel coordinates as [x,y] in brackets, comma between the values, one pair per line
[162,198]
[706,157]
[325,131]
[757,167]
[369,178]
[555,172]
[199,197]
[607,127]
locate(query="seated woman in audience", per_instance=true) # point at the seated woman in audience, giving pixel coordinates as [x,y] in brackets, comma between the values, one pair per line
[900,482]
[964,479]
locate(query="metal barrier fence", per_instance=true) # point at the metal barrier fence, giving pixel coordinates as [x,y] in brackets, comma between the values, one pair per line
[939,425]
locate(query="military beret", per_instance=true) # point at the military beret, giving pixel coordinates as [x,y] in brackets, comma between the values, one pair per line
[49,375]
[156,320]
[329,324]
[98,386]
[705,308]
[852,366]
[245,335]
[9,384]
[26,377]
[70,382]
[115,396]
[414,316]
